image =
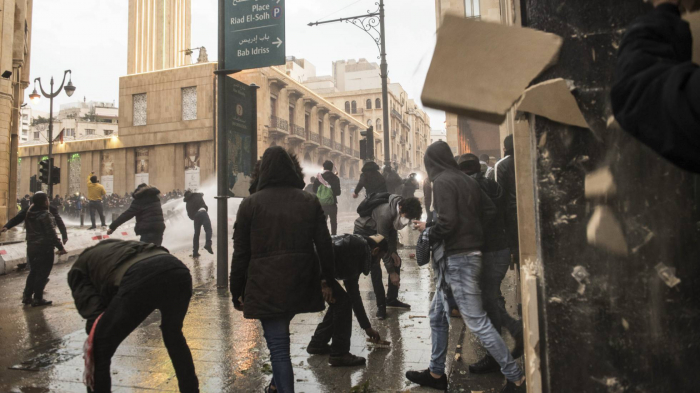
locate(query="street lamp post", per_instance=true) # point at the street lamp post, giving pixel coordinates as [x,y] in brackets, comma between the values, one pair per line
[35,97]
[369,23]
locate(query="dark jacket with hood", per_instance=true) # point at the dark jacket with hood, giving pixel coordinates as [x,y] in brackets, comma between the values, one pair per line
[410,186]
[494,231]
[147,209]
[274,265]
[333,181]
[393,180]
[458,203]
[656,95]
[505,177]
[382,221]
[95,277]
[352,259]
[371,179]
[194,201]
[40,229]
[22,215]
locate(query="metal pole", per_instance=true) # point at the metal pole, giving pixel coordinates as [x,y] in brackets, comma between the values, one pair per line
[50,142]
[222,179]
[385,88]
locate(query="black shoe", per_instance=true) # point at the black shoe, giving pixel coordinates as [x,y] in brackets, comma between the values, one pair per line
[195,255]
[347,360]
[381,313]
[318,349]
[398,304]
[92,228]
[208,248]
[486,365]
[423,378]
[519,346]
[41,303]
[513,388]
[26,300]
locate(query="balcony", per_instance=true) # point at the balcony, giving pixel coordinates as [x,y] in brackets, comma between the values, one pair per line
[279,127]
[326,144]
[337,146]
[348,151]
[297,134]
[403,141]
[396,114]
[356,154]
[313,141]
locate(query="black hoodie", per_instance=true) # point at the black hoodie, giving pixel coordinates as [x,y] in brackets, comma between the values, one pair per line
[40,228]
[458,203]
[147,209]
[194,202]
[371,179]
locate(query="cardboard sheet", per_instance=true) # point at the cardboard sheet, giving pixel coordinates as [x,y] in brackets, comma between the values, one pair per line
[553,99]
[694,20]
[480,69]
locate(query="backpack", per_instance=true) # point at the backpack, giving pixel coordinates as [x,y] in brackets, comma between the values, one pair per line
[371,202]
[325,195]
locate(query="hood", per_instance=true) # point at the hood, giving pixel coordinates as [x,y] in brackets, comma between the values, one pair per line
[189,196]
[394,205]
[370,166]
[33,212]
[145,192]
[439,158]
[278,170]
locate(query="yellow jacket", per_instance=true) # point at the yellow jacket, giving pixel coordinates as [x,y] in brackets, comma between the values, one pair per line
[95,191]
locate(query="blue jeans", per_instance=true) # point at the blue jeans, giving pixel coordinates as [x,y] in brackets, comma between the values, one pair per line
[462,274]
[496,266]
[276,332]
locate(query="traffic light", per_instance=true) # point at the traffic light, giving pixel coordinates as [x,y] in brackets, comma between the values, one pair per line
[44,166]
[34,184]
[367,144]
[56,175]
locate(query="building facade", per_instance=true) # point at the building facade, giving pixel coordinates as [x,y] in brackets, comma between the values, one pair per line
[75,121]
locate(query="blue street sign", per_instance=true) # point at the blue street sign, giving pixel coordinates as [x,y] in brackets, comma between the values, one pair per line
[255,33]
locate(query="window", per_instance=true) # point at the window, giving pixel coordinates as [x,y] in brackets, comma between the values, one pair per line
[320,127]
[140,109]
[106,121]
[109,132]
[273,106]
[291,115]
[70,132]
[378,103]
[89,132]
[347,106]
[379,124]
[332,132]
[36,136]
[472,8]
[368,104]
[354,107]
[189,103]
[369,123]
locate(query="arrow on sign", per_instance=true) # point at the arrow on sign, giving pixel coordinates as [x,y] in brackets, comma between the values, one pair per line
[278,42]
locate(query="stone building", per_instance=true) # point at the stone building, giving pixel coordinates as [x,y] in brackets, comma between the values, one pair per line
[75,121]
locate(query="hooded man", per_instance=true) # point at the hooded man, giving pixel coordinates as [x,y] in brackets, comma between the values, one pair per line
[354,256]
[116,285]
[393,180]
[25,202]
[40,230]
[275,270]
[148,211]
[22,215]
[329,185]
[410,185]
[371,180]
[387,219]
[96,192]
[459,203]
[505,177]
[198,212]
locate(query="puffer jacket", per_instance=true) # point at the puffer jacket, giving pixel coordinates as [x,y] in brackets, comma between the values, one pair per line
[371,179]
[40,229]
[147,209]
[274,266]
[193,203]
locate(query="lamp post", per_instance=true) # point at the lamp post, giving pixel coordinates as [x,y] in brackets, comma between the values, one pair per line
[35,98]
[369,23]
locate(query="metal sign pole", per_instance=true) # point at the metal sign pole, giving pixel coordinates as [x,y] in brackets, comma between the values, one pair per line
[222,160]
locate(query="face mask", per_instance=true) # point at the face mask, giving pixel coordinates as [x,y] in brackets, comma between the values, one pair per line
[401,222]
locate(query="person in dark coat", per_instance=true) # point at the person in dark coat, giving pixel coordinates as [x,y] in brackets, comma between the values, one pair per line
[505,177]
[116,285]
[25,202]
[275,271]
[41,240]
[393,180]
[198,212]
[310,187]
[656,95]
[371,180]
[22,215]
[330,180]
[410,185]
[146,207]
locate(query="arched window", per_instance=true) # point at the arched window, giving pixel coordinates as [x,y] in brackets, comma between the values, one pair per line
[369,104]
[347,106]
[369,123]
[378,103]
[379,124]
[354,107]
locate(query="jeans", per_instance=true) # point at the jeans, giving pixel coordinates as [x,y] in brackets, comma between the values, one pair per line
[494,271]
[276,332]
[170,293]
[201,219]
[152,237]
[332,212]
[462,273]
[337,323]
[96,206]
[40,262]
[378,285]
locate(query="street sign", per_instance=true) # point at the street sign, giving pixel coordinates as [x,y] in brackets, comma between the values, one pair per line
[241,134]
[255,33]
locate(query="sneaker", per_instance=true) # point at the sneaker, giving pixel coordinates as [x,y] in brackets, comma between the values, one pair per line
[519,348]
[423,378]
[513,388]
[209,249]
[398,304]
[347,360]
[318,349]
[381,313]
[41,303]
[455,313]
[486,365]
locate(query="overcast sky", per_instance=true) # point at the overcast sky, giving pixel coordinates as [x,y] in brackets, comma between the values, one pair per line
[89,37]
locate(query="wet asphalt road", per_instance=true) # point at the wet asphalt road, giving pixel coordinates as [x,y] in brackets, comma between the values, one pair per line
[42,348]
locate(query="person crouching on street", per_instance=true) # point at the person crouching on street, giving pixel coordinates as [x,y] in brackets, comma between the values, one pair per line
[354,256]
[275,273]
[198,212]
[147,209]
[116,285]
